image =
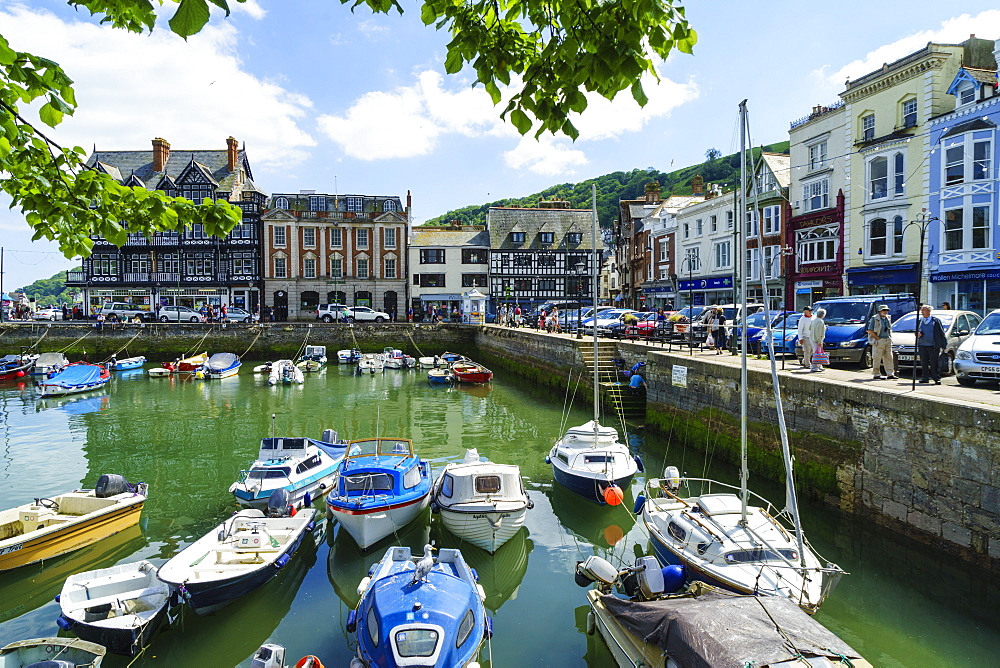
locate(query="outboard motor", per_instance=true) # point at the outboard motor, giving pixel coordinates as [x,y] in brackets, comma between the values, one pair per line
[269,656]
[595,569]
[645,580]
[672,478]
[278,503]
[329,436]
[110,484]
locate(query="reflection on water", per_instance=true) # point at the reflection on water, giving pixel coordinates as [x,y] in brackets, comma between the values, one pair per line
[902,605]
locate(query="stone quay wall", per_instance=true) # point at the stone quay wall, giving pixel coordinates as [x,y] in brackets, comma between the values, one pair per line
[923,466]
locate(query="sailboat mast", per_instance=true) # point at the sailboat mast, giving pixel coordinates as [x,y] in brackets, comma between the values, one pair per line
[595,276]
[741,226]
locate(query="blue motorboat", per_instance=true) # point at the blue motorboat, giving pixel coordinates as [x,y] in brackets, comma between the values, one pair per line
[303,467]
[428,612]
[127,363]
[221,365]
[381,486]
[348,355]
[75,378]
[440,377]
[236,557]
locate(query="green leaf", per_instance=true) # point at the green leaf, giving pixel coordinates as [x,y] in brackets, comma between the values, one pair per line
[190,17]
[50,115]
[520,121]
[7,54]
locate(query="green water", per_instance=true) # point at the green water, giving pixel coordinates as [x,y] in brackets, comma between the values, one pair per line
[902,605]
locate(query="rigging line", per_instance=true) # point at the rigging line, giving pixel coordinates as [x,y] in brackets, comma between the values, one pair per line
[70,345]
[420,353]
[302,346]
[251,344]
[200,341]
[44,334]
[115,354]
[562,417]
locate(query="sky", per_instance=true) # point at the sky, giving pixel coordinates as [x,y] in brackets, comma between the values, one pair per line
[341,102]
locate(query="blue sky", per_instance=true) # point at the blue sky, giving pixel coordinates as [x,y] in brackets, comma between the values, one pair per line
[354,103]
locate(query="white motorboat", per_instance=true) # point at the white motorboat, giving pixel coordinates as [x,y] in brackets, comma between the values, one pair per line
[49,363]
[733,538]
[237,557]
[432,362]
[221,365]
[348,355]
[313,359]
[118,607]
[481,502]
[371,363]
[285,371]
[71,652]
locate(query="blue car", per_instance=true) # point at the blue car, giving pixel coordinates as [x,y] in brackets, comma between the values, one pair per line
[784,335]
[756,323]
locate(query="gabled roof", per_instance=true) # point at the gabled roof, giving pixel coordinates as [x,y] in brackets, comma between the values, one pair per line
[973,75]
[968,126]
[195,172]
[108,169]
[780,165]
[213,164]
[134,181]
[501,221]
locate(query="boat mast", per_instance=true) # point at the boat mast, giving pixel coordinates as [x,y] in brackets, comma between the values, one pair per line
[596,287]
[741,225]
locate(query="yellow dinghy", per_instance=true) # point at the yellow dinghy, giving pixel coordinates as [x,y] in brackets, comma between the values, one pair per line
[48,528]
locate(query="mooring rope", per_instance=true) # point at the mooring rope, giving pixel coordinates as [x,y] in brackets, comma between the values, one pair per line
[67,347]
[253,342]
[194,350]
[115,354]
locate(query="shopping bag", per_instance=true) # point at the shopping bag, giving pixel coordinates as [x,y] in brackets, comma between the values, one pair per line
[710,341]
[820,358]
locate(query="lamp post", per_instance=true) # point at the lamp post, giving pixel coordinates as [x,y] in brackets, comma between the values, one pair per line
[923,221]
[581,269]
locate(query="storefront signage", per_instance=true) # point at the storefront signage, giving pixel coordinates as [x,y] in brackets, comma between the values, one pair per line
[948,276]
[808,284]
[665,290]
[818,268]
[895,274]
[713,283]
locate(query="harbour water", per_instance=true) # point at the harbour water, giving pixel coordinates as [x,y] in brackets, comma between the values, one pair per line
[901,605]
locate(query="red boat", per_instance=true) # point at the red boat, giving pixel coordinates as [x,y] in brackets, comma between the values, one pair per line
[187,365]
[470,372]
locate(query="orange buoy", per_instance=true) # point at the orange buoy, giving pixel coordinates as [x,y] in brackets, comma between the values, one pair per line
[309,662]
[613,495]
[613,534]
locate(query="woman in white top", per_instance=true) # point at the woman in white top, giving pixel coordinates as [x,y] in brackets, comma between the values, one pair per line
[817,332]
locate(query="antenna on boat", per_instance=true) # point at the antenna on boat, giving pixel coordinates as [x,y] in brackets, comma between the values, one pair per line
[596,286]
[273,418]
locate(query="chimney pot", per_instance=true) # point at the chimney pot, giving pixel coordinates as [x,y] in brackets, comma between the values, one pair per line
[232,151]
[161,153]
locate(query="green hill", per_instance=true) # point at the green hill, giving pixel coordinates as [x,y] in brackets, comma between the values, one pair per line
[618,186]
[47,290]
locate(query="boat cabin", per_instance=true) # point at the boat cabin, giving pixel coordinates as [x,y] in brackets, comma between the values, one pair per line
[465,483]
[374,465]
[314,353]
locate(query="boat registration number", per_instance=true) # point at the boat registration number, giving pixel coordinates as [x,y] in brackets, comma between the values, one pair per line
[11,548]
[487,516]
[906,358]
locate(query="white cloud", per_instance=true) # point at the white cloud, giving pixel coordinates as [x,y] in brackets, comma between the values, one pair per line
[409,121]
[546,156]
[131,88]
[952,31]
[249,7]
[372,29]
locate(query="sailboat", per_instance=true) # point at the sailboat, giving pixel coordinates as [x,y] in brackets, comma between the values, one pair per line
[589,460]
[733,538]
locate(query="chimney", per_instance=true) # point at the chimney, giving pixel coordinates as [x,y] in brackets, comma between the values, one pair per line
[232,150]
[697,184]
[161,153]
[653,192]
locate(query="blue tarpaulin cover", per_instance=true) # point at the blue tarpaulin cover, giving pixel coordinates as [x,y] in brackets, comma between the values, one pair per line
[75,375]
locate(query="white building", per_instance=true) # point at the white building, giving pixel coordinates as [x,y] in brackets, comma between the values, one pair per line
[447,262]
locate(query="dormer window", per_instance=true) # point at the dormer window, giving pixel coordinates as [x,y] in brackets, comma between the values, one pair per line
[574,237]
[546,237]
[517,237]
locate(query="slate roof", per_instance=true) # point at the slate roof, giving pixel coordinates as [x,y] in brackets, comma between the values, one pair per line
[450,238]
[214,164]
[780,165]
[531,221]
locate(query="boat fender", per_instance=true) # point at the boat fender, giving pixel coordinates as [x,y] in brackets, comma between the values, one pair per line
[310,527]
[638,462]
[282,560]
[309,662]
[640,501]
[488,628]
[363,586]
[58,596]
[435,508]
[531,504]
[291,512]
[548,460]
[307,500]
[674,578]
[475,575]
[352,621]
[591,622]
[482,592]
[63,623]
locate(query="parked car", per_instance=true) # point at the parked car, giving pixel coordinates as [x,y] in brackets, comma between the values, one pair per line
[179,314]
[847,323]
[331,312]
[648,326]
[565,305]
[365,314]
[48,313]
[606,318]
[958,326]
[125,311]
[757,323]
[236,314]
[978,357]
[784,336]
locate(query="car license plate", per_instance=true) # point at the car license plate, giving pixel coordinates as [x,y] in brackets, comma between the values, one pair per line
[906,358]
[989,369]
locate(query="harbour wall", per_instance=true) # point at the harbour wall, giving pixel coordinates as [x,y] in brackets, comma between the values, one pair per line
[923,466]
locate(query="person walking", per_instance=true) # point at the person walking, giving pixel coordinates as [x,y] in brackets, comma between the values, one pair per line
[931,340]
[880,339]
[817,331]
[805,337]
[717,329]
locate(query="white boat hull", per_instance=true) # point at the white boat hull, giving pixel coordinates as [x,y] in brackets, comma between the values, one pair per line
[296,497]
[486,530]
[371,527]
[217,375]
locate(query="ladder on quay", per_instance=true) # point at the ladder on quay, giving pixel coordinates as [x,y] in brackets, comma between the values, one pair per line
[614,390]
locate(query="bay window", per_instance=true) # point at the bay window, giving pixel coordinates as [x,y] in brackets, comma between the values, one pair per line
[967,227]
[816,195]
[967,158]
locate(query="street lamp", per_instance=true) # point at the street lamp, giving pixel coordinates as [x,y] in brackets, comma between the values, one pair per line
[580,269]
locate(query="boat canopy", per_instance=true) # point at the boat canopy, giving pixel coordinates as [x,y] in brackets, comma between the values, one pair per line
[222,361]
[75,375]
[295,448]
[398,447]
[315,351]
[49,359]
[584,435]
[720,629]
[467,482]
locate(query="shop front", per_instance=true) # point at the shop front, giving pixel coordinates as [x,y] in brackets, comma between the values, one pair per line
[659,295]
[971,290]
[883,280]
[811,291]
[97,297]
[706,291]
[434,306]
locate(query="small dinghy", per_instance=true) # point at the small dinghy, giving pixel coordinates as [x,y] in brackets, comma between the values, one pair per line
[271,655]
[75,378]
[453,357]
[313,359]
[262,368]
[285,371]
[430,362]
[237,557]
[159,372]
[127,363]
[304,468]
[49,363]
[449,628]
[119,607]
[348,356]
[371,363]
[48,528]
[440,377]
[481,502]
[14,367]
[188,364]
[470,372]
[221,365]
[382,487]
[52,653]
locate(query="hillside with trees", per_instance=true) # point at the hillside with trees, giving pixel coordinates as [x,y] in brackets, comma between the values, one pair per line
[47,291]
[717,169]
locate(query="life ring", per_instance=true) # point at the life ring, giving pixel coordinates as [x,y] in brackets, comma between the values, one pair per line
[309,661]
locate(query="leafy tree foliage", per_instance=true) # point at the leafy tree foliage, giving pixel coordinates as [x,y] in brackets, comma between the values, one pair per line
[47,290]
[556,49]
[618,186]
[712,154]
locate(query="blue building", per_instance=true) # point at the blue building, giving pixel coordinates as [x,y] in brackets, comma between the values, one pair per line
[963,238]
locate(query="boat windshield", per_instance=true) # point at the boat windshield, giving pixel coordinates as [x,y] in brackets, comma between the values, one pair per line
[380,446]
[368,482]
[268,474]
[416,642]
[761,554]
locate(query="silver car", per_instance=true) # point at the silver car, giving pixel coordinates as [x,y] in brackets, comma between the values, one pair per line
[958,326]
[978,358]
[179,314]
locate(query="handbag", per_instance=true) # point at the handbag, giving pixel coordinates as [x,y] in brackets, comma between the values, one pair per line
[820,358]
